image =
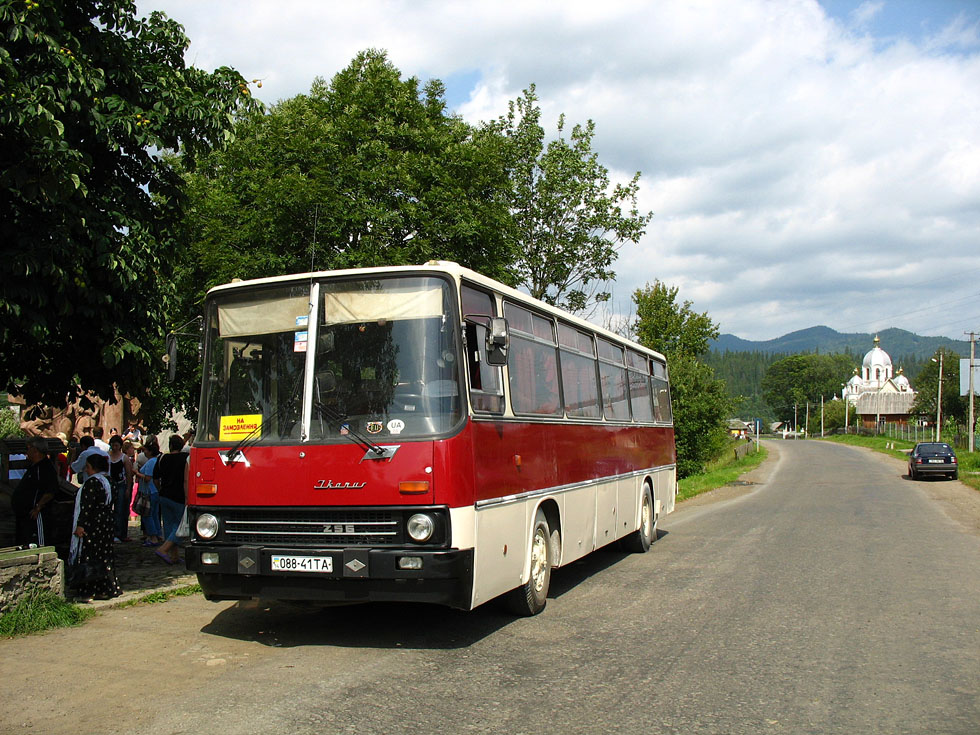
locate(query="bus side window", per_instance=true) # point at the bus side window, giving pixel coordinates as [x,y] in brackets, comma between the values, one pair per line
[533,366]
[486,386]
[661,393]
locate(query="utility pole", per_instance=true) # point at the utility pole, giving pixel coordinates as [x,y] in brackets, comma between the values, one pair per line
[821,417]
[939,395]
[971,430]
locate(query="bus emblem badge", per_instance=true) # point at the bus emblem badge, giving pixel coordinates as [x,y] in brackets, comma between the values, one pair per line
[331,485]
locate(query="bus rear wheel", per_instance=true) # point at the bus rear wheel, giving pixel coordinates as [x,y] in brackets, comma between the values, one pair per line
[639,541]
[531,597]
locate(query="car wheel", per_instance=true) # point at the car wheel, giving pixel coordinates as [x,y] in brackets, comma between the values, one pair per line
[912,473]
[955,475]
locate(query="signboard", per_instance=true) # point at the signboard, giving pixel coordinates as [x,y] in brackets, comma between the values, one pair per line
[236,428]
[965,377]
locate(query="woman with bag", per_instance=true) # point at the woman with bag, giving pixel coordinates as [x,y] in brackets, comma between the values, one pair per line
[170,476]
[91,570]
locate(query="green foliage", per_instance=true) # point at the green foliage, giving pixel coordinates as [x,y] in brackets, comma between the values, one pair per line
[701,410]
[721,472]
[668,327]
[833,416]
[700,401]
[795,380]
[366,170]
[570,220]
[36,611]
[91,95]
[9,423]
[742,373]
[164,595]
[955,408]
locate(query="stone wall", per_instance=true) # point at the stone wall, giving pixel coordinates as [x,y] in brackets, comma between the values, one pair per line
[34,568]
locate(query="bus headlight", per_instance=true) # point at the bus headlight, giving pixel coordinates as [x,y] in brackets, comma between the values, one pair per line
[207,526]
[420,527]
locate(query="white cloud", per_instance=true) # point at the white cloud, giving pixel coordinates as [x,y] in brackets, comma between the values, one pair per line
[801,172]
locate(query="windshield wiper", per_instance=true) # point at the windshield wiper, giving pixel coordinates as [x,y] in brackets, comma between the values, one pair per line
[250,437]
[379,451]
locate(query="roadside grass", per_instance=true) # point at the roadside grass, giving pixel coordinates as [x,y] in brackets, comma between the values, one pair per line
[163,595]
[718,473]
[38,611]
[969,462]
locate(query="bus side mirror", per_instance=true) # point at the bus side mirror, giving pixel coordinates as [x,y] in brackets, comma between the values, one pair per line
[498,340]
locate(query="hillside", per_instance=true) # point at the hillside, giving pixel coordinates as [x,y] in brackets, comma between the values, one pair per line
[742,363]
[895,342]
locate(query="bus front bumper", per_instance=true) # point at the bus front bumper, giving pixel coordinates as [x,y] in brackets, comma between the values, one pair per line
[339,576]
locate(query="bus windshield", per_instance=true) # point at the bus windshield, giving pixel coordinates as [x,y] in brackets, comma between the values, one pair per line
[253,379]
[385,362]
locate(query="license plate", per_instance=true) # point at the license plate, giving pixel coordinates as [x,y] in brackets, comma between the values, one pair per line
[936,461]
[322,564]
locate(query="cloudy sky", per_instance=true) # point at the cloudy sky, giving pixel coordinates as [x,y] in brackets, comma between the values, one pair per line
[806,162]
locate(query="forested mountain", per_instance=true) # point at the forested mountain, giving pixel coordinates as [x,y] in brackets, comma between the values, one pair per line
[824,339]
[743,363]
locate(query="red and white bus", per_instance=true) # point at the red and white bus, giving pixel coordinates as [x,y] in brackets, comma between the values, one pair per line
[417,433]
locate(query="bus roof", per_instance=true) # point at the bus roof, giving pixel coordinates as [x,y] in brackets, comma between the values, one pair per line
[449,268]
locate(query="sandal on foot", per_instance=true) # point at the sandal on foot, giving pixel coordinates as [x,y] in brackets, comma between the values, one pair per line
[164,557]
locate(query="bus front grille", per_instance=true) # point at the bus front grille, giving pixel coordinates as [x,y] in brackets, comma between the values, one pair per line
[312,527]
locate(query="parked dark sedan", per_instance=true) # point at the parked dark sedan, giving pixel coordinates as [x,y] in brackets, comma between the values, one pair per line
[933,458]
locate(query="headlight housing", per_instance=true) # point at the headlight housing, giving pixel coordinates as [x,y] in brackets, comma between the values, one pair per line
[207,526]
[420,527]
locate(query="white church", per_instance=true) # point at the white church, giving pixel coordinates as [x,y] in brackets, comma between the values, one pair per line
[877,395]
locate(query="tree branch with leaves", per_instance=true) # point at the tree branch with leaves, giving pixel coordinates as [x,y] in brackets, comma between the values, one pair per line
[570,219]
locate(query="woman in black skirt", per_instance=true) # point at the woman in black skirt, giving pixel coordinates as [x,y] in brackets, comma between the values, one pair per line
[92,538]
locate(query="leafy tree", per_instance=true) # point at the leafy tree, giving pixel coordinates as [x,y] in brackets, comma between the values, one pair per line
[833,416]
[570,220]
[701,410]
[742,373]
[955,407]
[9,423]
[795,380]
[366,170]
[92,96]
[669,327]
[700,401]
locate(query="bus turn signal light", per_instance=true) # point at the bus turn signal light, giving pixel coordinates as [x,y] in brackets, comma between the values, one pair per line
[413,487]
[207,488]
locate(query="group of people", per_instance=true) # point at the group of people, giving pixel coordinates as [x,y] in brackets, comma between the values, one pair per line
[83,523]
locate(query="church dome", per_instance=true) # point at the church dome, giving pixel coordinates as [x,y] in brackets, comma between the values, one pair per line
[901,382]
[877,365]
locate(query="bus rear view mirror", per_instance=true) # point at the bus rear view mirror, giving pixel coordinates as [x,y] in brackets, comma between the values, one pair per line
[498,340]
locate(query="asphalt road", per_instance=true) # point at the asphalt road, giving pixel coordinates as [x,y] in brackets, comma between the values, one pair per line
[836,596]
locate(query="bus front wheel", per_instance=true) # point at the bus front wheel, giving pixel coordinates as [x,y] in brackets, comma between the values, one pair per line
[531,597]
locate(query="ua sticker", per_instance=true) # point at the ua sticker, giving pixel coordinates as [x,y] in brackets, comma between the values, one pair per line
[395,426]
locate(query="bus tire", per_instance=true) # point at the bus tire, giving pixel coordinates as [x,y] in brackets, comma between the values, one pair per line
[531,597]
[639,541]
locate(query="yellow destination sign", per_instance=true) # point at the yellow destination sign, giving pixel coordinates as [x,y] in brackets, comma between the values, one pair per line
[235,428]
